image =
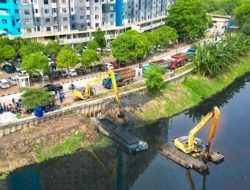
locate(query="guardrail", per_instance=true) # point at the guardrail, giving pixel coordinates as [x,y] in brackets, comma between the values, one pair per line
[90,108]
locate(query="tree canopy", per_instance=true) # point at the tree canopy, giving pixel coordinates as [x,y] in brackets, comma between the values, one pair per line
[242,12]
[92,45]
[189,19]
[100,38]
[7,52]
[53,47]
[67,58]
[31,48]
[32,98]
[213,58]
[130,45]
[89,57]
[154,79]
[36,62]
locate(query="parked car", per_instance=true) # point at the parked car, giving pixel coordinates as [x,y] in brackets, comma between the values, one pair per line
[80,71]
[63,73]
[53,87]
[4,83]
[12,80]
[109,66]
[35,77]
[8,68]
[54,75]
[72,72]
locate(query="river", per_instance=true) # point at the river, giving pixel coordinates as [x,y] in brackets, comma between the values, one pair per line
[149,170]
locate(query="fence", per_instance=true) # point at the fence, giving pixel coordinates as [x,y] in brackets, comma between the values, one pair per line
[90,108]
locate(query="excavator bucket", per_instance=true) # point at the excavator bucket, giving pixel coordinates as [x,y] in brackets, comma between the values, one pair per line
[78,94]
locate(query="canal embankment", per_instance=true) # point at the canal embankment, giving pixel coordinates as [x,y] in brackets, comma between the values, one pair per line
[53,139]
[176,98]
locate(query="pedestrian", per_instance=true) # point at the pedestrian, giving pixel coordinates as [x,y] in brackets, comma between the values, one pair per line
[61,98]
[13,101]
[4,107]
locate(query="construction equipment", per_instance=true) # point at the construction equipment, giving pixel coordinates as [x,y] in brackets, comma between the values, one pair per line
[89,91]
[189,152]
[193,144]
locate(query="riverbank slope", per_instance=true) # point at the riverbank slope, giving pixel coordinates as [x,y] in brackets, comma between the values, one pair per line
[176,98]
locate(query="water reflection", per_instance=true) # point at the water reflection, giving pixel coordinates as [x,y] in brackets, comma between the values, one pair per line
[219,99]
[82,170]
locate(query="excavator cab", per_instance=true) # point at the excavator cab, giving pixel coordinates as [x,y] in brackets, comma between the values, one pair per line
[191,143]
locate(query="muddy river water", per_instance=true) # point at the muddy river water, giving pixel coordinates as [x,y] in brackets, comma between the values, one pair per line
[113,169]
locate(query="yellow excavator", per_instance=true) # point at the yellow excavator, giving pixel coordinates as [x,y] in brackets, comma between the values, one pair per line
[190,144]
[88,91]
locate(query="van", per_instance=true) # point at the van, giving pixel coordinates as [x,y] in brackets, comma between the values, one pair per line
[4,83]
[13,80]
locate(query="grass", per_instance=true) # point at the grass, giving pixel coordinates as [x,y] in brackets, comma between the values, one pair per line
[195,88]
[68,146]
[184,68]
[3,176]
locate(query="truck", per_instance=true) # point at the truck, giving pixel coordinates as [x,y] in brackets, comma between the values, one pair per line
[162,63]
[178,60]
[122,76]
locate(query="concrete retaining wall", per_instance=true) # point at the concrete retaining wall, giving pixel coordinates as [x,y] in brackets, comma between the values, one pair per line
[90,108]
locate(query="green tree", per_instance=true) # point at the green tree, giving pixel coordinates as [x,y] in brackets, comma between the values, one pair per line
[32,98]
[242,12]
[100,38]
[130,45]
[189,19]
[36,62]
[245,28]
[7,52]
[164,35]
[53,48]
[31,48]
[154,79]
[79,48]
[89,56]
[92,45]
[67,58]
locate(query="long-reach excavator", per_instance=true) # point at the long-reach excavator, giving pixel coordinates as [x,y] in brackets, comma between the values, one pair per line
[89,91]
[193,144]
[189,151]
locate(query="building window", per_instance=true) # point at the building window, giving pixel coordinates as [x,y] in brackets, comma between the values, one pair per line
[54,1]
[16,11]
[81,9]
[47,19]
[37,20]
[46,11]
[54,18]
[72,9]
[48,28]
[65,18]
[65,28]
[4,21]
[64,10]
[55,27]
[63,1]
[111,8]
[81,17]
[96,1]
[46,2]
[111,15]
[96,25]
[36,10]
[53,10]
[96,17]
[88,8]
[3,1]
[26,12]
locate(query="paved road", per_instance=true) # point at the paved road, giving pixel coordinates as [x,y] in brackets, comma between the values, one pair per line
[82,81]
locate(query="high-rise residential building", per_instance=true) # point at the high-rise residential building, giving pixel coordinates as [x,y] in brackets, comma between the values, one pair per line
[74,21]
[10,24]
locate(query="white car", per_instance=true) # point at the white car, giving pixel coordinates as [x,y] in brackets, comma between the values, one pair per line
[4,83]
[72,72]
[109,66]
[13,80]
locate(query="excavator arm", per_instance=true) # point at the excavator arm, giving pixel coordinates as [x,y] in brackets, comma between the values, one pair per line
[189,145]
[87,92]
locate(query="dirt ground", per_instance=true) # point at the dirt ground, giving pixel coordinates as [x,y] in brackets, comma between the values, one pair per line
[17,149]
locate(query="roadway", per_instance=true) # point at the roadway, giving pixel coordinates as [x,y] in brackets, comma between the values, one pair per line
[83,80]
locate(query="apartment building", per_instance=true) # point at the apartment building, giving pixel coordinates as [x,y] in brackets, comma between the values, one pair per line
[10,24]
[75,21]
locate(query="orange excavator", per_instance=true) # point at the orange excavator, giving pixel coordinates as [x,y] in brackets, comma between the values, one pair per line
[191,144]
